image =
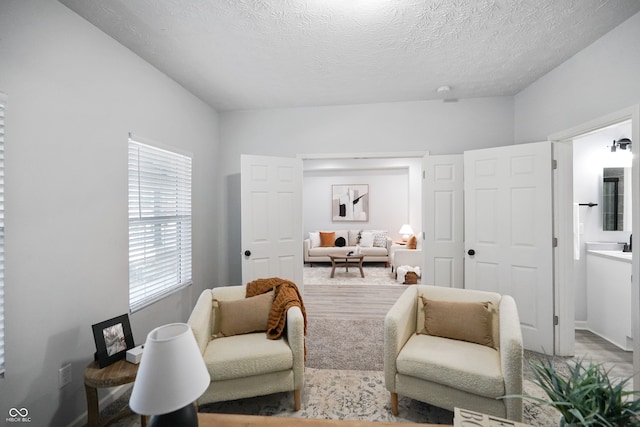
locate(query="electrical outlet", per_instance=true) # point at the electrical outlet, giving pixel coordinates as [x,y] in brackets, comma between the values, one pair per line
[64,375]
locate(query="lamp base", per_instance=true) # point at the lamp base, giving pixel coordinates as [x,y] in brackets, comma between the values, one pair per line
[184,417]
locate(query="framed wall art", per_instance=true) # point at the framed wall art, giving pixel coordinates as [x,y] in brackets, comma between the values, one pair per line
[350,202]
[113,338]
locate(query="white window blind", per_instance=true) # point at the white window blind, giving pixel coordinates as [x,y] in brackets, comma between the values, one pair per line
[2,104]
[159,223]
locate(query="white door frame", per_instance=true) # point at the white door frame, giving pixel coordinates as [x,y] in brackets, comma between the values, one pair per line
[563,187]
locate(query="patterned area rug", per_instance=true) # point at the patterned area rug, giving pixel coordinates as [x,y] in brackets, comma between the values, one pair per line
[344,380]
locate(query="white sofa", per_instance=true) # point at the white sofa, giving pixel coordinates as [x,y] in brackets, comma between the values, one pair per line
[321,254]
[449,372]
[247,365]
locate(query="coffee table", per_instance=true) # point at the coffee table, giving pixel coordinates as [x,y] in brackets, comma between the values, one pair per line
[343,260]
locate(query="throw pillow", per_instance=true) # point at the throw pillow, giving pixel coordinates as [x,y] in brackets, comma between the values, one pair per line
[366,239]
[412,243]
[327,239]
[379,238]
[340,242]
[314,238]
[244,316]
[465,321]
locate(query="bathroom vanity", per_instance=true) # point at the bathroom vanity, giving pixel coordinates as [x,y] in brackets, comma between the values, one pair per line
[609,295]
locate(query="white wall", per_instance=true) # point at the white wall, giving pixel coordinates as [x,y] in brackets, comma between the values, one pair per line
[433,126]
[599,80]
[73,96]
[393,187]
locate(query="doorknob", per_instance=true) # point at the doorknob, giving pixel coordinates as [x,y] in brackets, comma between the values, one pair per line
[471,252]
[247,253]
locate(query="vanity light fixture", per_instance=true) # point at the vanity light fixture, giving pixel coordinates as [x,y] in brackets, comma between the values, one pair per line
[622,143]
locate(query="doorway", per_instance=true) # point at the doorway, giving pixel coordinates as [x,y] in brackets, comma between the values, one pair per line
[565,228]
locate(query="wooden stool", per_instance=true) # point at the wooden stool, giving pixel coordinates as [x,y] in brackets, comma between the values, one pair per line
[116,374]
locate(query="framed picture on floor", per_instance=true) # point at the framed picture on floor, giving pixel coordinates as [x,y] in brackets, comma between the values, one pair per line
[113,338]
[350,203]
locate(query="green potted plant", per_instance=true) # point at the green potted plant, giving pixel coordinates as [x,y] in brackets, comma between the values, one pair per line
[586,396]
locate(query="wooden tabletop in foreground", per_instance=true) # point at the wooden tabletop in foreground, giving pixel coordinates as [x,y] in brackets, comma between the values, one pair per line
[229,420]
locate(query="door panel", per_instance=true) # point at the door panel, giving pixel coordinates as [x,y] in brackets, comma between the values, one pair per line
[443,221]
[271,218]
[508,223]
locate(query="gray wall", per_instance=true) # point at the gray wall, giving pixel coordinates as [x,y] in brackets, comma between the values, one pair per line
[434,126]
[73,96]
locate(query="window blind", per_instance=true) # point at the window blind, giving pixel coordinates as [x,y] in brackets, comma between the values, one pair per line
[159,223]
[2,105]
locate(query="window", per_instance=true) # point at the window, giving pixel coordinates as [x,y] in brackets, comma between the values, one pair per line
[2,104]
[159,223]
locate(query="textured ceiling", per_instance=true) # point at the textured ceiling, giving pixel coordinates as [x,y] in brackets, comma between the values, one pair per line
[245,54]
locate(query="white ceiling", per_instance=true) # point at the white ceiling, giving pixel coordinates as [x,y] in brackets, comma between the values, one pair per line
[246,54]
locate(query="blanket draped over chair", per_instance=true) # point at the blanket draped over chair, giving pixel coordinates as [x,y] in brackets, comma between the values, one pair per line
[286,295]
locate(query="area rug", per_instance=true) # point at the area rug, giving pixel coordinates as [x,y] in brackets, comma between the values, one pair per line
[374,274]
[350,395]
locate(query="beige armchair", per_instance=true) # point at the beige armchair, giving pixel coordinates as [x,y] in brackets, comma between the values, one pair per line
[250,364]
[448,372]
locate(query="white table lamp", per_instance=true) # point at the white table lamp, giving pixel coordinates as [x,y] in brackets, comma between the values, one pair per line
[406,232]
[171,376]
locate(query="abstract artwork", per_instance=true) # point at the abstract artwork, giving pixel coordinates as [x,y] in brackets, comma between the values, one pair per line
[350,202]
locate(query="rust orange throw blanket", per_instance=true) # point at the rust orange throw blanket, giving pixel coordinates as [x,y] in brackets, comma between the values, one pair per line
[286,295]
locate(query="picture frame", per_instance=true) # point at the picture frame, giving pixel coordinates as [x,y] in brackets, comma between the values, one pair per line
[113,338]
[350,202]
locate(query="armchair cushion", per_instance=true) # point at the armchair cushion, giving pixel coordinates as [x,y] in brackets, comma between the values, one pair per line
[243,316]
[458,364]
[465,321]
[247,356]
[412,243]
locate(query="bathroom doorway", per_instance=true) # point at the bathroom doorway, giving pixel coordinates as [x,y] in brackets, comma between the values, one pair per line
[574,226]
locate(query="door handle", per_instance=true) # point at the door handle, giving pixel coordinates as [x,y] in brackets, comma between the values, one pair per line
[247,253]
[471,252]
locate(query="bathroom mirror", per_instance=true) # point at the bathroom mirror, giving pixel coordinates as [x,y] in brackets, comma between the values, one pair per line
[614,189]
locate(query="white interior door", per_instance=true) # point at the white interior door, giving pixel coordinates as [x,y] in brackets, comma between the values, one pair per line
[443,219]
[271,218]
[509,232]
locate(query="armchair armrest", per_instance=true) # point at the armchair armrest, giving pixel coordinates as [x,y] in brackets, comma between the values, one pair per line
[511,355]
[410,257]
[200,319]
[399,326]
[295,337]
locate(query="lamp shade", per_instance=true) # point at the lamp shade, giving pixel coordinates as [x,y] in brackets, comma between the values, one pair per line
[172,373]
[406,232]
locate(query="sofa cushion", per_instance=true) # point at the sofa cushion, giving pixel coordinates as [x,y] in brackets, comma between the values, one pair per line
[373,251]
[354,238]
[412,243]
[459,364]
[327,239]
[246,355]
[314,239]
[466,321]
[246,315]
[366,239]
[340,242]
[379,238]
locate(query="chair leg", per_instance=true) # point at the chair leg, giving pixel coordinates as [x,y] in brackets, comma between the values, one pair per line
[394,403]
[296,399]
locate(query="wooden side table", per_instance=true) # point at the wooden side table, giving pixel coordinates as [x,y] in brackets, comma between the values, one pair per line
[342,260]
[116,374]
